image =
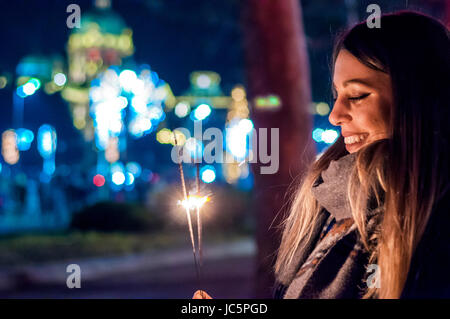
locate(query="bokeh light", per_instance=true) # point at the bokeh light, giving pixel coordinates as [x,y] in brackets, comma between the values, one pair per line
[134,168]
[208,174]
[24,139]
[127,79]
[98,180]
[10,151]
[182,109]
[118,178]
[322,108]
[59,79]
[202,111]
[203,81]
[330,136]
[317,135]
[29,88]
[46,141]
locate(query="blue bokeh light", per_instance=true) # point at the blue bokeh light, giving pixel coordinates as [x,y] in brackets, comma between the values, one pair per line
[201,112]
[208,174]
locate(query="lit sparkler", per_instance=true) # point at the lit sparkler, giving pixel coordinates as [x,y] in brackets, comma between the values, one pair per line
[188,214]
[191,202]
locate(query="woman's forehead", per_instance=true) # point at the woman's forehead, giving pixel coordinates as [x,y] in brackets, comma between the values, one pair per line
[349,70]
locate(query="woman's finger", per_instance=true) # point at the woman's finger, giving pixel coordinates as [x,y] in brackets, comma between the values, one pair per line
[200,294]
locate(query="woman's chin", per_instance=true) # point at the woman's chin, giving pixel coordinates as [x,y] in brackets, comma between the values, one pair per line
[354,147]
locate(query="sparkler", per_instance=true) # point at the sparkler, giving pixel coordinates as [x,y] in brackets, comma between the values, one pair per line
[188,214]
[189,203]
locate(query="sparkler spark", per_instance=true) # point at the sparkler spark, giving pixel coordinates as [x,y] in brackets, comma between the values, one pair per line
[193,201]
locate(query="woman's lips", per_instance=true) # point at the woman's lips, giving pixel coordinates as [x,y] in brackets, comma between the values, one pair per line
[355,138]
[355,141]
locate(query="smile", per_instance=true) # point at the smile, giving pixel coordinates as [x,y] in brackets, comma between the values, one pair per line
[355,139]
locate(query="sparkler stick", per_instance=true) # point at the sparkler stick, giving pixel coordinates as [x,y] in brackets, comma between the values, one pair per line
[199,223]
[199,219]
[188,214]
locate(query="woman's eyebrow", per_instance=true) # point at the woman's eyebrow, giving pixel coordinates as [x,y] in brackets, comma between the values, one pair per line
[362,81]
[358,81]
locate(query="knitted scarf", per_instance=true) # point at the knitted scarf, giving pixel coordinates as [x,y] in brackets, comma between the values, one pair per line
[330,190]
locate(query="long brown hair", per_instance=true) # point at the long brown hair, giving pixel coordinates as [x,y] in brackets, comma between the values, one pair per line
[406,174]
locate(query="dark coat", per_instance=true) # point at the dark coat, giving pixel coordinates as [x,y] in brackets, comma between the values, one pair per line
[429,274]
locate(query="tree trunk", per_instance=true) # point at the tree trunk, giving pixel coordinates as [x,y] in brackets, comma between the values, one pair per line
[447,13]
[277,64]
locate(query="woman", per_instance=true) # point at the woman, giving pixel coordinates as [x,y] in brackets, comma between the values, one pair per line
[371,218]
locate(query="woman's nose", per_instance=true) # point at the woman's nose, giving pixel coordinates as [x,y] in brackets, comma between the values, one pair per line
[339,114]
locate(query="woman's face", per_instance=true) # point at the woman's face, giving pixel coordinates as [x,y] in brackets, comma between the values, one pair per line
[363,100]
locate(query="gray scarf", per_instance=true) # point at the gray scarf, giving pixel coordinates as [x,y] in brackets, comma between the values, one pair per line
[330,190]
[331,193]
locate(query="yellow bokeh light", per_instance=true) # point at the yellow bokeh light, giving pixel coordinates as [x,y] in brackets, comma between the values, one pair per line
[109,40]
[322,108]
[112,150]
[164,136]
[91,68]
[238,93]
[124,42]
[10,151]
[3,81]
[79,123]
[181,138]
[79,112]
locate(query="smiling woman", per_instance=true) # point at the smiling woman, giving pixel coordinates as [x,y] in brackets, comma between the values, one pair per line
[362,102]
[377,199]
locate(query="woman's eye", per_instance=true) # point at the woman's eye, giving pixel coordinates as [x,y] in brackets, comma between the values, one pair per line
[359,97]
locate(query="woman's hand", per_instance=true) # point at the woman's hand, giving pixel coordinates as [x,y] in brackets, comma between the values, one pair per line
[200,294]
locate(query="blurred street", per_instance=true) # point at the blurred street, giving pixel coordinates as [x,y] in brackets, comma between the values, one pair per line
[227,273]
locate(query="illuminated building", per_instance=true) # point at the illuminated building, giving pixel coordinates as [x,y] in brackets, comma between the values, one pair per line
[102,40]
